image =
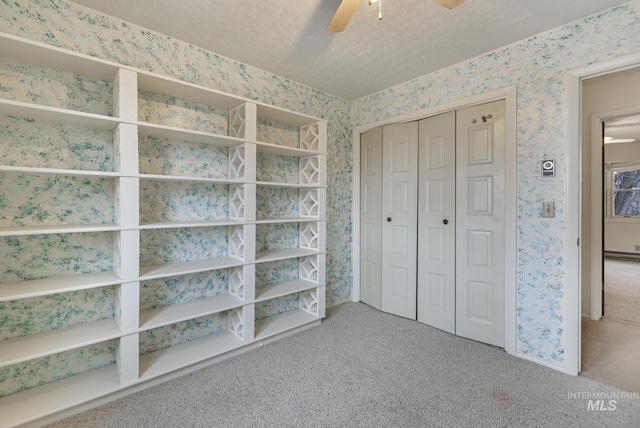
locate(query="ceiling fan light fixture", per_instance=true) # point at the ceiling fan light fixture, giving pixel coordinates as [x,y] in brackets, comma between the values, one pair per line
[347,8]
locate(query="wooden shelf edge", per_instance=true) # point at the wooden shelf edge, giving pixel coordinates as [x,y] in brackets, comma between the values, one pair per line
[43,287]
[44,55]
[276,324]
[159,317]
[21,349]
[185,268]
[193,136]
[57,115]
[284,288]
[190,179]
[60,229]
[185,354]
[272,256]
[36,403]
[57,171]
[276,220]
[297,152]
[290,185]
[188,224]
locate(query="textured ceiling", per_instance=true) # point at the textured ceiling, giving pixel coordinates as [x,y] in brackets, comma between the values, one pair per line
[288,37]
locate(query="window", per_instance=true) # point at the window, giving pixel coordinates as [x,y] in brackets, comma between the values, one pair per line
[625,196]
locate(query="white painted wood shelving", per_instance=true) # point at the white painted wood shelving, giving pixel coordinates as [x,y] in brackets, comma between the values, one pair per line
[241,224]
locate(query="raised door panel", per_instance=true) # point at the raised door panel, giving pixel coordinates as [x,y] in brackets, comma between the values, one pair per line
[436,222]
[371,218]
[480,234]
[400,150]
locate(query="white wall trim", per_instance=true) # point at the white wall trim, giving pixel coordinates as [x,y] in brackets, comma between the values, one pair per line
[509,95]
[573,100]
[542,362]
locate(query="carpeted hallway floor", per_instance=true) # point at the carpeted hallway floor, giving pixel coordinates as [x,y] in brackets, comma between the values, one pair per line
[611,346]
[611,352]
[622,290]
[364,368]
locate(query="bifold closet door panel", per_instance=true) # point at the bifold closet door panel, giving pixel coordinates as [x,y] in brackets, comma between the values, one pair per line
[399,226]
[480,224]
[371,218]
[437,221]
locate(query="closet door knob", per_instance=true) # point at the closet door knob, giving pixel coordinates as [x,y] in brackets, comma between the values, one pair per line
[389,219]
[445,221]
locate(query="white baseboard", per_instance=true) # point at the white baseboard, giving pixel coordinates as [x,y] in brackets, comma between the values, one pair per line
[542,362]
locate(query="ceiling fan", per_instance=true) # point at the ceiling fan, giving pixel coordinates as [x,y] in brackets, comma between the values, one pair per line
[347,8]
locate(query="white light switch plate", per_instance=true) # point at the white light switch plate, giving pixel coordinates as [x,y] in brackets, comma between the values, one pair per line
[548,210]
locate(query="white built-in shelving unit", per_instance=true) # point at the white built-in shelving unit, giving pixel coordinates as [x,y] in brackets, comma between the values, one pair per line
[241,228]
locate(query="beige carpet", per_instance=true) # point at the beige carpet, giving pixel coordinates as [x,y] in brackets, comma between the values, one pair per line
[622,290]
[364,368]
[611,352]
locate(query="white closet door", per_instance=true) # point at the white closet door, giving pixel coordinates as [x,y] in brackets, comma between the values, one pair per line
[437,222]
[480,234]
[371,217]
[399,230]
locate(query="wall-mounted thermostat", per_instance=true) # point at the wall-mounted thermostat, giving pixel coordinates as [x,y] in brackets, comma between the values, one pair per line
[548,168]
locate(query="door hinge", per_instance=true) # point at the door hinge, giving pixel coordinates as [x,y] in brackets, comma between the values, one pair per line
[578,242]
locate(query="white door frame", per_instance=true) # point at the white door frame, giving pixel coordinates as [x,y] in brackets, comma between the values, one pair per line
[509,95]
[597,201]
[573,102]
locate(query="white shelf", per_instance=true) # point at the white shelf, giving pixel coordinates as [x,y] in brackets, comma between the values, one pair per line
[278,114]
[179,134]
[53,229]
[57,115]
[182,178]
[48,56]
[280,323]
[276,220]
[188,224]
[279,289]
[186,268]
[63,284]
[30,405]
[158,317]
[284,150]
[270,256]
[54,171]
[21,349]
[290,185]
[185,354]
[245,116]
[186,91]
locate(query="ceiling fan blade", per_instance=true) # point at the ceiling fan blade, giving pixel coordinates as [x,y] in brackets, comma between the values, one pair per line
[343,15]
[449,3]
